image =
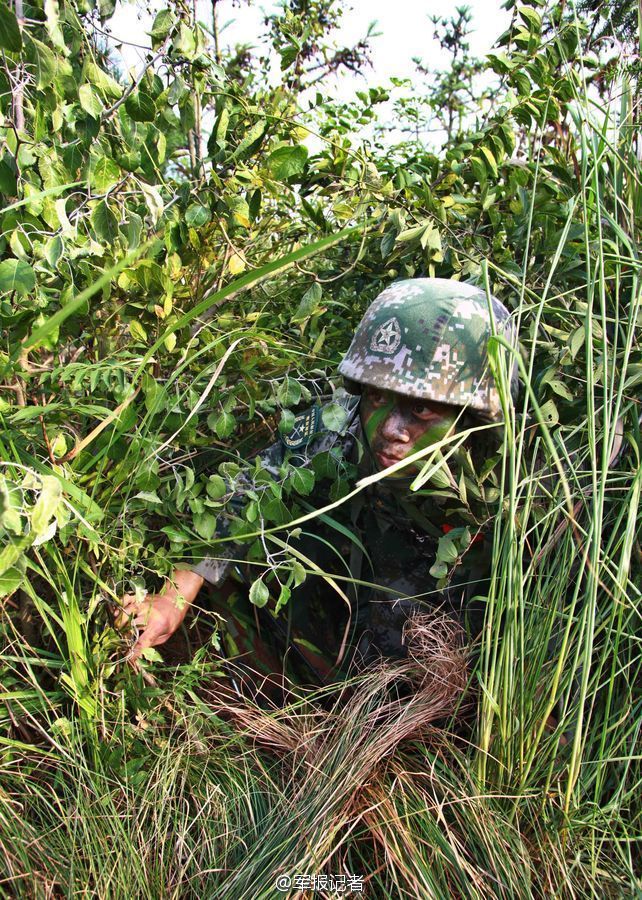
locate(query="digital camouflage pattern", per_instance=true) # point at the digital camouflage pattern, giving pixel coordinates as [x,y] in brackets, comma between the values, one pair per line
[428,338]
[387,583]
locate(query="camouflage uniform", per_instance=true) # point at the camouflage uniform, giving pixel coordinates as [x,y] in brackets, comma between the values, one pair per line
[424,338]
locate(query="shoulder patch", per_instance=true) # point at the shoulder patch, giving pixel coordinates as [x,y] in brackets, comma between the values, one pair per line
[306,425]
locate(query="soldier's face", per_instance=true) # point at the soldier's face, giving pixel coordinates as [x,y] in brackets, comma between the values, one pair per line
[396,426]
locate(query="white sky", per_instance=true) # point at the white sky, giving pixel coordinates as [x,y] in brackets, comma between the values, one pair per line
[403,31]
[403,26]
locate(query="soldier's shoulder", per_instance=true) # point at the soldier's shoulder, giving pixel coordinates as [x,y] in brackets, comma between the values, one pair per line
[327,423]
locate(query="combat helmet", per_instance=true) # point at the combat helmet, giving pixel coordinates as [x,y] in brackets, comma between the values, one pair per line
[428,338]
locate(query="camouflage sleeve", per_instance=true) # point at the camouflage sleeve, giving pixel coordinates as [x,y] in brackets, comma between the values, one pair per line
[308,438]
[215,569]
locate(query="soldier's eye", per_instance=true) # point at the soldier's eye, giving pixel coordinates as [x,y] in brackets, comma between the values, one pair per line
[376,398]
[422,411]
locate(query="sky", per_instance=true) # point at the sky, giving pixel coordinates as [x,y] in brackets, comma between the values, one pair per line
[404,31]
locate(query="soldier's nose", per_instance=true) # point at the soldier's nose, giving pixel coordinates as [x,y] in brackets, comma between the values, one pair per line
[394,428]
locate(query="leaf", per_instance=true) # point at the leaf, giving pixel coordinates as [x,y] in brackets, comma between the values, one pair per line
[11,580]
[289,392]
[236,263]
[10,37]
[302,480]
[287,421]
[223,424]
[259,594]
[54,30]
[205,525]
[137,331]
[560,388]
[549,413]
[490,159]
[8,180]
[286,162]
[284,596]
[196,215]
[105,223]
[104,173]
[154,201]
[251,141]
[334,416]
[532,18]
[147,496]
[140,107]
[17,275]
[9,509]
[219,132]
[163,24]
[185,42]
[216,487]
[90,101]
[48,499]
[43,61]
[298,572]
[308,304]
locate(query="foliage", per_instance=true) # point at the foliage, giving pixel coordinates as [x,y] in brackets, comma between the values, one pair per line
[180,272]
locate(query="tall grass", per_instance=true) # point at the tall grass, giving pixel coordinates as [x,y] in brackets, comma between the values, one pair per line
[112,788]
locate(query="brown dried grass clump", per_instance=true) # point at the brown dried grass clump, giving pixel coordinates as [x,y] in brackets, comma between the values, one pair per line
[353,727]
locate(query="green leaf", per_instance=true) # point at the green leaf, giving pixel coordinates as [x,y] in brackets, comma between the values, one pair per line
[216,487]
[309,303]
[251,141]
[219,132]
[286,162]
[284,596]
[105,223]
[43,61]
[163,24]
[147,496]
[10,37]
[532,18]
[289,392]
[185,42]
[140,107]
[197,215]
[16,275]
[8,180]
[334,416]
[90,101]
[9,508]
[104,173]
[298,572]
[223,423]
[302,480]
[259,594]
[137,331]
[11,580]
[287,422]
[48,499]
[205,525]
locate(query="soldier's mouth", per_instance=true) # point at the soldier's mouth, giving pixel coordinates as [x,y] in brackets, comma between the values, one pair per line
[386,460]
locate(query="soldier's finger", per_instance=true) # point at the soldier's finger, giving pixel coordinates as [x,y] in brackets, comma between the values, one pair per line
[151,637]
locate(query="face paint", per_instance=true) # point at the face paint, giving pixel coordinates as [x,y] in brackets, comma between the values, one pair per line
[396,426]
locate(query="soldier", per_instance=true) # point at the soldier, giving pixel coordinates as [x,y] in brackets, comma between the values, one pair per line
[416,372]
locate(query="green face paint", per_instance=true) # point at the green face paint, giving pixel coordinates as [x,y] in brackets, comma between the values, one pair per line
[396,426]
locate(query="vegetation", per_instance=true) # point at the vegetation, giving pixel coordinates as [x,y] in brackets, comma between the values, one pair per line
[181,270]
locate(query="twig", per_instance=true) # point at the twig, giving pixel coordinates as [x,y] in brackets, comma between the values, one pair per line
[108,113]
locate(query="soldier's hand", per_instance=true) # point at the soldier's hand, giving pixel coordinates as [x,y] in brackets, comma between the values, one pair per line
[158,616]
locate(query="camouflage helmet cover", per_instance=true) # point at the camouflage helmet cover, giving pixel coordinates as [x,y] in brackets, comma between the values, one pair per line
[427,338]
